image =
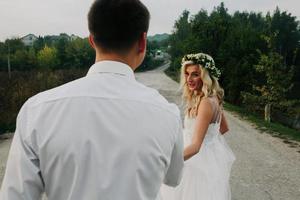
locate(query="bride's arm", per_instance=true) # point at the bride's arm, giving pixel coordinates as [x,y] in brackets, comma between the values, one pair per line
[203,119]
[223,126]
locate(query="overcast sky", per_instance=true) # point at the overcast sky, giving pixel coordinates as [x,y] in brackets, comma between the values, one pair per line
[49,17]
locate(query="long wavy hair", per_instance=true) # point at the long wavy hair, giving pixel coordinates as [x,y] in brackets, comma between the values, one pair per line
[210,88]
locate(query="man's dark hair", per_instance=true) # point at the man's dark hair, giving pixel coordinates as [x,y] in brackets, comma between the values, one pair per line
[117,24]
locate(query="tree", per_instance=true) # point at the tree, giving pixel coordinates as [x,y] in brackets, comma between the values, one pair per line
[3,57]
[14,45]
[278,76]
[79,54]
[179,41]
[47,58]
[61,45]
[287,35]
[238,54]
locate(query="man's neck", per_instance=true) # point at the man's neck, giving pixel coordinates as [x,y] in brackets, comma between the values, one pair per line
[115,57]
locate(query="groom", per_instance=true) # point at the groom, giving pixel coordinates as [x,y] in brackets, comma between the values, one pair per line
[104,136]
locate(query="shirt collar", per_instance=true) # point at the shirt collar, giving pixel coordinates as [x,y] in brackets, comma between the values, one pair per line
[113,67]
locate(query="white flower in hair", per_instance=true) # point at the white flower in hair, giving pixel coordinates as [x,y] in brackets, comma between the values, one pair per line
[205,61]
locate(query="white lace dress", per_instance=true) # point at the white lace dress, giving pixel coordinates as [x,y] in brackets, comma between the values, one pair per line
[206,174]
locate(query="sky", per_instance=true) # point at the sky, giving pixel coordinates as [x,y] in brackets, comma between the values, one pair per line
[51,17]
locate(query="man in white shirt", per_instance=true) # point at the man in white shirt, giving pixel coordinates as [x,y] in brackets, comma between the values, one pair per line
[104,136]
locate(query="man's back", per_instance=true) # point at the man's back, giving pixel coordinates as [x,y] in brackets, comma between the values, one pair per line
[104,136]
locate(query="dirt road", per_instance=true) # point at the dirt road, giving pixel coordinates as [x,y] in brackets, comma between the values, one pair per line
[266,168]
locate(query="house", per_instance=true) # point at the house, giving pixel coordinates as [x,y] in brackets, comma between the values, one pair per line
[63,36]
[29,39]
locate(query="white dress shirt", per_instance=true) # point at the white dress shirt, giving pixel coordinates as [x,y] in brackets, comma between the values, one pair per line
[102,137]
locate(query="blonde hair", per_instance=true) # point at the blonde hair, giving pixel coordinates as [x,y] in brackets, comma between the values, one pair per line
[210,88]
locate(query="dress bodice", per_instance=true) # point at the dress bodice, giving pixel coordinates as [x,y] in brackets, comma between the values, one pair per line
[189,128]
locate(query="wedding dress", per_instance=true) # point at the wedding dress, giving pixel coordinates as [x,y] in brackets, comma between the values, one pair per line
[206,174]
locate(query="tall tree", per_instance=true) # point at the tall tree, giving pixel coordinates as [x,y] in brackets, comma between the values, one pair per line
[47,58]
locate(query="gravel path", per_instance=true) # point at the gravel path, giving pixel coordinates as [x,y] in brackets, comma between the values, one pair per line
[267,168]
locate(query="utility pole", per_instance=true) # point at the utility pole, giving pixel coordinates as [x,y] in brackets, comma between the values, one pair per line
[8,61]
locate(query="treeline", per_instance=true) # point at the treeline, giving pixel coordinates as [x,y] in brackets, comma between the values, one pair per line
[55,52]
[46,53]
[258,55]
[51,61]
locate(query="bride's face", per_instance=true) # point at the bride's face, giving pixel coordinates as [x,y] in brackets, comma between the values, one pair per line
[193,77]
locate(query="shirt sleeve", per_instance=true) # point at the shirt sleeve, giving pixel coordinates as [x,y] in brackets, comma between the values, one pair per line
[22,179]
[174,173]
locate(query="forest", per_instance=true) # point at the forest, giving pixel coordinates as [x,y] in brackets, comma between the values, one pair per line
[257,54]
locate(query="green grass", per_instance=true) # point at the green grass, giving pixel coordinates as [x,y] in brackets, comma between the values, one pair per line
[275,129]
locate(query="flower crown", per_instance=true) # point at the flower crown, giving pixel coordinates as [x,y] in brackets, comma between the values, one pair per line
[205,61]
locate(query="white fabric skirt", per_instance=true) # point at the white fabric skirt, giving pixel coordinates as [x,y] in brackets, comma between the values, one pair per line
[206,175]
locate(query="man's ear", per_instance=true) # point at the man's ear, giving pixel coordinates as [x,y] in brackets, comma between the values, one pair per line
[142,44]
[91,41]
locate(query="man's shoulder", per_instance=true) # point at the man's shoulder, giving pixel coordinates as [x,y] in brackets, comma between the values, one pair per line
[153,97]
[100,87]
[53,94]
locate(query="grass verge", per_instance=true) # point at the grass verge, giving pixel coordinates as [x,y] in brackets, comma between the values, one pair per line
[274,128]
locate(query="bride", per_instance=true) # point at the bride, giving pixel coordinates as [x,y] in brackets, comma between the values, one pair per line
[208,158]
